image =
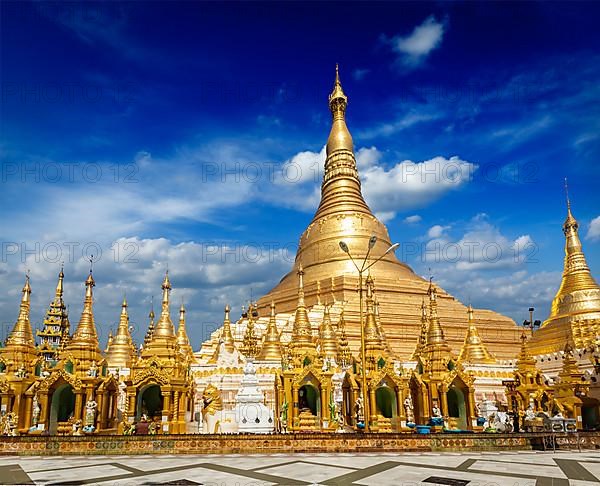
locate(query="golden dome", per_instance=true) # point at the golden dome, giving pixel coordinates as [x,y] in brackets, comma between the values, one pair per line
[342,214]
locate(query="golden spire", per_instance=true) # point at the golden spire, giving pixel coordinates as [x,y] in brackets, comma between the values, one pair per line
[344,348]
[525,361]
[22,335]
[109,342]
[84,343]
[373,344]
[339,137]
[164,327]
[474,350]
[271,348]
[120,352]
[302,340]
[182,338]
[436,352]
[150,331]
[380,330]
[226,334]
[435,333]
[422,341]
[226,337]
[85,334]
[163,343]
[569,301]
[327,338]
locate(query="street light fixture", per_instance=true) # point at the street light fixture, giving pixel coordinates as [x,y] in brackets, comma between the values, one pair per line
[363,268]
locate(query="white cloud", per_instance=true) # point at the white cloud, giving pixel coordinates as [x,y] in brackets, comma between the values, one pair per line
[415,47]
[415,218]
[593,233]
[367,157]
[410,185]
[436,231]
[205,276]
[481,247]
[406,185]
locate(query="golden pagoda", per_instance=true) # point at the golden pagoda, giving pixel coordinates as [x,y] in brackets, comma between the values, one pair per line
[225,338]
[575,311]
[120,351]
[302,343]
[343,214]
[528,390]
[18,360]
[150,330]
[327,341]
[182,338]
[423,334]
[569,388]
[271,346]
[345,355]
[374,347]
[78,394]
[55,334]
[159,386]
[443,391]
[474,350]
[83,349]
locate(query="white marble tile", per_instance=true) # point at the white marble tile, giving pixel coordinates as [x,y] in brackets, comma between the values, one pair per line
[199,475]
[515,468]
[408,476]
[77,474]
[303,472]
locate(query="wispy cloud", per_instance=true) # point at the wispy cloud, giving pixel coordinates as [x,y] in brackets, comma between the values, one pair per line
[360,73]
[414,48]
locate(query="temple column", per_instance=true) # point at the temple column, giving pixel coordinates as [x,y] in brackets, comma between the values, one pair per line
[295,406]
[167,411]
[103,411]
[444,404]
[45,409]
[324,416]
[130,404]
[78,405]
[372,407]
[471,413]
[26,424]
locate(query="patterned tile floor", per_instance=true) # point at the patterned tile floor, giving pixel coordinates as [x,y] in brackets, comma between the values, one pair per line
[393,469]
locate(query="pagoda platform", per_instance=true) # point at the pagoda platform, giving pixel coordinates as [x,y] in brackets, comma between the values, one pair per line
[292,443]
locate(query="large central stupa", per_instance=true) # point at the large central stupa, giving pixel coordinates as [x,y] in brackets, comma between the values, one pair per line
[330,276]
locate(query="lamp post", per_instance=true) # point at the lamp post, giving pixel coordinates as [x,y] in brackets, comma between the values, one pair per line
[363,268]
[531,323]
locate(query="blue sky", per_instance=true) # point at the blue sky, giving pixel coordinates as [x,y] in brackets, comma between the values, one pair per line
[190,135]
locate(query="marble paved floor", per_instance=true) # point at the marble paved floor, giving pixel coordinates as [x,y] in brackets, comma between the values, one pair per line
[382,469]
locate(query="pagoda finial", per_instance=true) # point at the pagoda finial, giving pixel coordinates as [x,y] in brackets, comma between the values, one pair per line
[226,337]
[182,338]
[327,338]
[473,349]
[339,138]
[271,348]
[22,334]
[164,326]
[85,339]
[120,350]
[302,340]
[422,341]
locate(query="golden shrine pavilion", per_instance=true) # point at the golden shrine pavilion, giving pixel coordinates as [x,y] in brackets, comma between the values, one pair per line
[314,354]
